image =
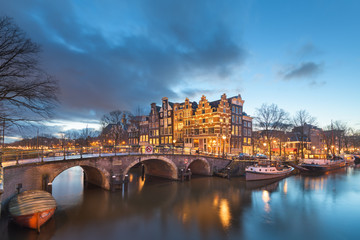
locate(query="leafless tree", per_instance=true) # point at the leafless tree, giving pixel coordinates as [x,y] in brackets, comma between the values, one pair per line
[136,124]
[341,129]
[85,136]
[270,119]
[27,93]
[302,121]
[115,125]
[336,137]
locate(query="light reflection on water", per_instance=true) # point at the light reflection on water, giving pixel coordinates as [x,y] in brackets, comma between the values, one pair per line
[318,207]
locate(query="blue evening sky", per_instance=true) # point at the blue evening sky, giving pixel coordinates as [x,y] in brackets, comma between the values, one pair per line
[111,55]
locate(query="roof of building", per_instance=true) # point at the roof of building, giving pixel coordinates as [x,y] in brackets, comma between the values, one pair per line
[214,104]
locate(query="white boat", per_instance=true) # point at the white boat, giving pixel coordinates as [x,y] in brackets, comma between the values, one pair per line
[266,170]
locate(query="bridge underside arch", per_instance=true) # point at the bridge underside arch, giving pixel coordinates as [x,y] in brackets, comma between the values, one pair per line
[158,167]
[200,167]
[93,175]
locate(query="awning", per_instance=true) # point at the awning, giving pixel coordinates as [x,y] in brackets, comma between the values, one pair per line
[286,149]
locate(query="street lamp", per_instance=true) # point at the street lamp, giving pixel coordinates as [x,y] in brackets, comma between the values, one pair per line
[174,141]
[224,138]
[213,146]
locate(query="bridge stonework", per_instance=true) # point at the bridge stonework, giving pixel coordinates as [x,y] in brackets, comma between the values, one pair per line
[104,171]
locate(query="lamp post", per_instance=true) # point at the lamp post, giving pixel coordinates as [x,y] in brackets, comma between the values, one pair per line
[224,138]
[213,146]
[174,142]
[264,147]
[274,146]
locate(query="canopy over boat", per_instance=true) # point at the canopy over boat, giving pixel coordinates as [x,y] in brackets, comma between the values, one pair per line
[30,202]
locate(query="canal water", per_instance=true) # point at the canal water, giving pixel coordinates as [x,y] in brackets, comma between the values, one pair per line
[298,207]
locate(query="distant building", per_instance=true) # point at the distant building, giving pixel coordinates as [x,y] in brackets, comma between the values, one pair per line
[154,125]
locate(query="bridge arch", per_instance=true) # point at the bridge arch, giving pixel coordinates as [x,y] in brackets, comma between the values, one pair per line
[156,166]
[93,175]
[200,166]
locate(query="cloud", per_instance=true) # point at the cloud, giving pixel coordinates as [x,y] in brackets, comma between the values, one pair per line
[120,56]
[308,50]
[305,64]
[303,70]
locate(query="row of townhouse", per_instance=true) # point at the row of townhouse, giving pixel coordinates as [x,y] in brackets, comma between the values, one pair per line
[304,140]
[215,127]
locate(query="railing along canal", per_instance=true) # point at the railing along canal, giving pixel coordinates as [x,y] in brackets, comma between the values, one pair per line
[15,156]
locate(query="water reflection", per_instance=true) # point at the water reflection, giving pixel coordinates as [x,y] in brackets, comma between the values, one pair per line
[323,207]
[224,213]
[266,199]
[285,187]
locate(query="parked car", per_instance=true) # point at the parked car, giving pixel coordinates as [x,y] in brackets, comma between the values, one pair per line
[244,156]
[261,156]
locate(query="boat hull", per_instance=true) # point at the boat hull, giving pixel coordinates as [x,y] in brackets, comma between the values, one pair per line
[253,176]
[323,168]
[32,208]
[35,220]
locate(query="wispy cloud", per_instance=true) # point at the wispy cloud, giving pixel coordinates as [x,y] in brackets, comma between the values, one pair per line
[304,67]
[303,70]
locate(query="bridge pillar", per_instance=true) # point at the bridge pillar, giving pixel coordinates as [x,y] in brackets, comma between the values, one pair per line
[46,184]
[116,178]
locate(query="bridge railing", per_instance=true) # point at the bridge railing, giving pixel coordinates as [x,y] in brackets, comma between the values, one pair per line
[11,156]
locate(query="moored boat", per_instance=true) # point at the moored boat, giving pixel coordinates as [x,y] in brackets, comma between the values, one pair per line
[32,208]
[357,159]
[349,158]
[266,170]
[322,165]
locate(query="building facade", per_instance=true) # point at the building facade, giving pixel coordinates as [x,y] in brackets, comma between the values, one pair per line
[217,127]
[236,107]
[166,122]
[154,125]
[247,134]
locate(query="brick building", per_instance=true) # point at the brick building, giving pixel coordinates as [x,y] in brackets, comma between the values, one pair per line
[215,127]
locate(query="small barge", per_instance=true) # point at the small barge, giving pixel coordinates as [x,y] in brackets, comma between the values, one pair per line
[32,208]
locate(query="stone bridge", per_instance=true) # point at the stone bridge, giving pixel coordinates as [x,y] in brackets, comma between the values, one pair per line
[106,171]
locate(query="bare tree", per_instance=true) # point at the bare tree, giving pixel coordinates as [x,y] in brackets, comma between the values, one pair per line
[136,124]
[27,93]
[340,130]
[115,125]
[302,121]
[336,136]
[270,119]
[85,136]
